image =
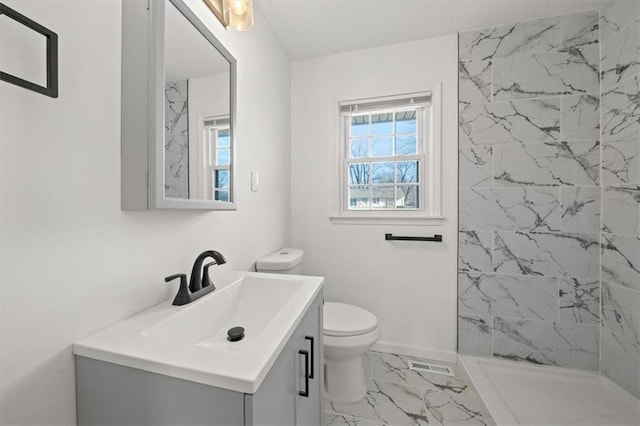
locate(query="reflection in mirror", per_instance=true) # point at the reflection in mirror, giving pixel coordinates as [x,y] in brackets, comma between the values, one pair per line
[198,145]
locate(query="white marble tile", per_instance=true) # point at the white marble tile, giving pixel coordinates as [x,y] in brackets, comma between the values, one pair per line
[621,361]
[580,209]
[475,335]
[579,301]
[547,164]
[508,296]
[387,403]
[448,408]
[547,74]
[481,44]
[621,311]
[621,209]
[579,30]
[524,121]
[617,14]
[176,140]
[621,160]
[621,260]
[620,106]
[549,343]
[620,55]
[476,166]
[474,81]
[516,209]
[393,368]
[475,250]
[580,117]
[547,253]
[333,419]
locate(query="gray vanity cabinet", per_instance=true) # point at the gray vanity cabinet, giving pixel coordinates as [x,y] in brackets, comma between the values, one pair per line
[111,394]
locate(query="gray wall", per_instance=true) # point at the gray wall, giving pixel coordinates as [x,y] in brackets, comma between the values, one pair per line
[529,259]
[620,238]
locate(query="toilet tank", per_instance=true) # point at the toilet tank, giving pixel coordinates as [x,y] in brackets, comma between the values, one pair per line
[283,261]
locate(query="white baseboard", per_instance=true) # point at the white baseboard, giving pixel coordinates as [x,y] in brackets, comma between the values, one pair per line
[417,351]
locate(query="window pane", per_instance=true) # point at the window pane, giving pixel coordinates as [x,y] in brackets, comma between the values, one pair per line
[406,171]
[382,172]
[406,145]
[221,179]
[406,122]
[221,195]
[359,147]
[382,124]
[222,156]
[223,138]
[360,125]
[382,197]
[408,197]
[358,173]
[382,146]
[359,197]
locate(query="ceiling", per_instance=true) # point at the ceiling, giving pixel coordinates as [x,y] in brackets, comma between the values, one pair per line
[312,28]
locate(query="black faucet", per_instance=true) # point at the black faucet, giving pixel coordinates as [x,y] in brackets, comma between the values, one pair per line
[199,284]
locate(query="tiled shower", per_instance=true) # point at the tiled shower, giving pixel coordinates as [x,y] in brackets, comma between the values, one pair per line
[549,255]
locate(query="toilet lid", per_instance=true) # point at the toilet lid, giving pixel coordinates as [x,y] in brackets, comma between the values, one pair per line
[341,319]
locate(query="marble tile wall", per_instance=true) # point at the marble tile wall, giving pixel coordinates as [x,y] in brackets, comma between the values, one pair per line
[620,238]
[176,148]
[530,191]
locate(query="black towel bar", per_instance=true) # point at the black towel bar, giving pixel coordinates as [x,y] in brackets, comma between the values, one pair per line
[390,237]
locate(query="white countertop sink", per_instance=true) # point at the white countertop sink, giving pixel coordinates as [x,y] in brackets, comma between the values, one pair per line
[190,342]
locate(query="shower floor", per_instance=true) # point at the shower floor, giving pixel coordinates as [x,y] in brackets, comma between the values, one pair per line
[520,394]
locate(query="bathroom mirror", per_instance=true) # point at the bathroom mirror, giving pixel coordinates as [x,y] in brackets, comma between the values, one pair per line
[190,109]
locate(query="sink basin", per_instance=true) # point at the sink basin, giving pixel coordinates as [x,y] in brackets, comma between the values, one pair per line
[250,302]
[190,342]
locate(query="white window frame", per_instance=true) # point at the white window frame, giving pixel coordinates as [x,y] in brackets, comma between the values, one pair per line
[210,146]
[430,208]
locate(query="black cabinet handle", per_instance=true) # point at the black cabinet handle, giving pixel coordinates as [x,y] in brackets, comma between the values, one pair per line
[310,338]
[306,373]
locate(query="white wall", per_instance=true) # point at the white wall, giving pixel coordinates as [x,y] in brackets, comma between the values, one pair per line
[72,261]
[409,286]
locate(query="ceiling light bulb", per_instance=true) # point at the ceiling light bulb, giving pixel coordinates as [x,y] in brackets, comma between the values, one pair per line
[239,7]
[238,14]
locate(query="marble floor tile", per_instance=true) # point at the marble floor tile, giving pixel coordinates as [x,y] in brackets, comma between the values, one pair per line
[579,301]
[333,419]
[523,121]
[393,368]
[448,408]
[621,260]
[388,403]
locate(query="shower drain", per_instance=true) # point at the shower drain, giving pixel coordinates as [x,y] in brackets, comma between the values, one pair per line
[426,367]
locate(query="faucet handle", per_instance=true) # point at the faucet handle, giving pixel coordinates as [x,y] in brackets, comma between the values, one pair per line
[206,281]
[184,296]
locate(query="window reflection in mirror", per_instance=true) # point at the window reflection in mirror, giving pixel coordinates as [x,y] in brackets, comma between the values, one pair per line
[198,145]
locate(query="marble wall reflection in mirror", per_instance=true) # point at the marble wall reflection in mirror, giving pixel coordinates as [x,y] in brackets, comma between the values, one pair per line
[178,103]
[197,142]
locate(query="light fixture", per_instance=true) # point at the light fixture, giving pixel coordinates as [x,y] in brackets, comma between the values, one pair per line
[237,14]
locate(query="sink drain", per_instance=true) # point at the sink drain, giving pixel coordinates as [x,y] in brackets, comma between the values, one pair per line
[235,334]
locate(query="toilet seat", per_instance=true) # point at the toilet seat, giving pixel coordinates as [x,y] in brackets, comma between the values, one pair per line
[343,320]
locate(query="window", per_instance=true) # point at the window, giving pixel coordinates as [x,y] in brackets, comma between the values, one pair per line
[389,161]
[218,144]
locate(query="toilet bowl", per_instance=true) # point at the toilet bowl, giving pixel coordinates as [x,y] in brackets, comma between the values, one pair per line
[348,332]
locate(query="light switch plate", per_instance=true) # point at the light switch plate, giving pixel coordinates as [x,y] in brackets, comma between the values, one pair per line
[255,181]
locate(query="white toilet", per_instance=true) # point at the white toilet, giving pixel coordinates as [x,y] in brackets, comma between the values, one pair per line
[348,332]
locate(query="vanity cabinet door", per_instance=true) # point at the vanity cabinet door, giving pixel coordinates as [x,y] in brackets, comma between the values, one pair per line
[309,410]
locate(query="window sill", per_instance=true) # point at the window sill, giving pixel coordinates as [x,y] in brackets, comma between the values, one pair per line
[386,220]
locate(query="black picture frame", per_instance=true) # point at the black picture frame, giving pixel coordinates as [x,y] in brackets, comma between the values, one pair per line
[51,89]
